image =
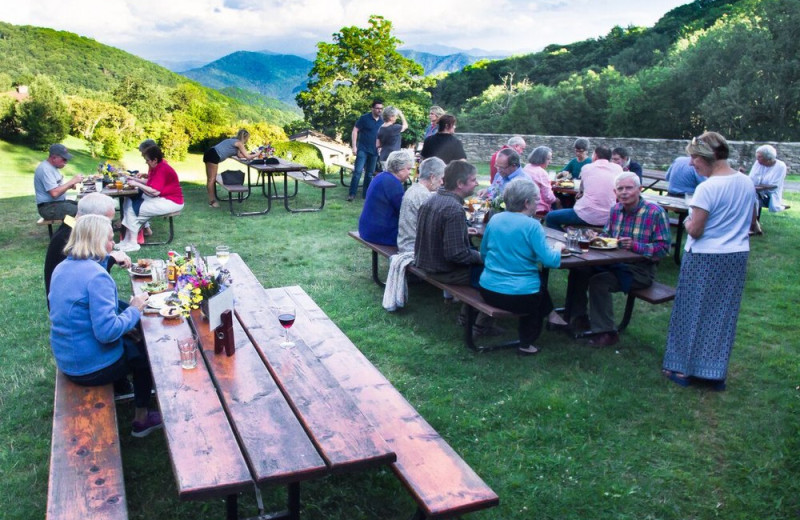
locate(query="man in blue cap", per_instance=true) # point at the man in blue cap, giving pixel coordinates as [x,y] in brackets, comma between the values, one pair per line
[51,190]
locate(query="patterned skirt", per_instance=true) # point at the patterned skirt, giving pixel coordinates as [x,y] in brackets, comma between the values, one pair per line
[702,327]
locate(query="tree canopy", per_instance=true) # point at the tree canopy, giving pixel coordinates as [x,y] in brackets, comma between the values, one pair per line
[362,64]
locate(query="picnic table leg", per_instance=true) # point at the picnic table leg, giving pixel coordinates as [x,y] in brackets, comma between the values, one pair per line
[679,237]
[232,507]
[293,504]
[375,277]
[418,515]
[626,318]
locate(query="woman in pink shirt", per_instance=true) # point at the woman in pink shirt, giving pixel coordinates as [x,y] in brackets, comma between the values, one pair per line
[161,195]
[536,169]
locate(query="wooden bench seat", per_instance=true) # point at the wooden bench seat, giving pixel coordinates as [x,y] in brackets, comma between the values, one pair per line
[171,234]
[465,293]
[49,223]
[311,178]
[241,191]
[655,294]
[86,479]
[441,483]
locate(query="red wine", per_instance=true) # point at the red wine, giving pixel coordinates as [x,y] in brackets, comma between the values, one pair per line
[287,320]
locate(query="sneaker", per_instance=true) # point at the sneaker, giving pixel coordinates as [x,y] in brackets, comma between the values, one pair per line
[530,350]
[151,424]
[351,198]
[127,246]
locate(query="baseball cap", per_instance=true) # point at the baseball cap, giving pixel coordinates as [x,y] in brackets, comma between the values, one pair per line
[61,151]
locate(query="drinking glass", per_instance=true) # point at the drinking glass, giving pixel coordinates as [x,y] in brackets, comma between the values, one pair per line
[223,255]
[188,349]
[286,316]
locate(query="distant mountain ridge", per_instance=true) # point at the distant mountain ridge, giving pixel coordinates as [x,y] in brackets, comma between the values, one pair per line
[282,76]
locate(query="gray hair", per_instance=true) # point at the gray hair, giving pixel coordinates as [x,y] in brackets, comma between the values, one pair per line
[399,160]
[768,152]
[390,112]
[96,204]
[436,109]
[627,175]
[431,168]
[581,143]
[519,191]
[512,155]
[147,143]
[517,140]
[539,155]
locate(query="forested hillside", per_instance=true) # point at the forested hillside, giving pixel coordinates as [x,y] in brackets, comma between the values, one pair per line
[723,64]
[113,99]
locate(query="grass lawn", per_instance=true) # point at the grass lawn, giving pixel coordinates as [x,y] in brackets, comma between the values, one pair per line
[573,433]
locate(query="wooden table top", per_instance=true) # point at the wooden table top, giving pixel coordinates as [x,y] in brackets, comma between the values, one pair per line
[593,256]
[267,414]
[675,204]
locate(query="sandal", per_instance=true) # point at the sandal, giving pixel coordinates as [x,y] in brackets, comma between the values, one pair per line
[679,380]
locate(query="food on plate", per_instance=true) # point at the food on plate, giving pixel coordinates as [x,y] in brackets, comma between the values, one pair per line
[144,262]
[604,242]
[565,252]
[155,287]
[170,312]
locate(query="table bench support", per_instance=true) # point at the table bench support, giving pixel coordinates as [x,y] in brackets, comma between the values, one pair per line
[472,316]
[171,234]
[309,179]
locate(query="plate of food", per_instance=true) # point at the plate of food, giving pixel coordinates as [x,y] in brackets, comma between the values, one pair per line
[155,287]
[565,184]
[170,312]
[159,300]
[142,267]
[565,253]
[604,243]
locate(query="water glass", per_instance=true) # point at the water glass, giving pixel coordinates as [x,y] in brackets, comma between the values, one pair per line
[188,349]
[98,186]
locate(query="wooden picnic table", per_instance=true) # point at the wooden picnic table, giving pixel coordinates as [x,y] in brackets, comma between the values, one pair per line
[266,415]
[656,179]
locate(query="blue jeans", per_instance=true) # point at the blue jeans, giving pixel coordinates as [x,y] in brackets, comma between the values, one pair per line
[563,217]
[364,162]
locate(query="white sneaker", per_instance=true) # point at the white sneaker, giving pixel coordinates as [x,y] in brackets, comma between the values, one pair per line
[127,246]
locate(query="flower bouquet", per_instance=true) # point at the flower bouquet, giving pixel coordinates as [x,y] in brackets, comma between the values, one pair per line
[195,285]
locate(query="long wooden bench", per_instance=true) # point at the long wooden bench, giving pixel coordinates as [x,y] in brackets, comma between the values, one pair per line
[171,234]
[441,483]
[655,294]
[311,178]
[49,223]
[86,480]
[465,293]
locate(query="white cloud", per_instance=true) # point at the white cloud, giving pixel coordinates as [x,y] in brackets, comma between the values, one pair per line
[208,29]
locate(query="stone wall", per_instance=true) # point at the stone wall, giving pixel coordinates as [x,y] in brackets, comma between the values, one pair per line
[651,153]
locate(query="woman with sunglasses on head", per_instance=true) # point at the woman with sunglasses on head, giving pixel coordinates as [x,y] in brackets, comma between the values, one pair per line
[702,327]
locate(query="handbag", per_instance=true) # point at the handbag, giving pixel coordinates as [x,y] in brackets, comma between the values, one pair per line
[231,177]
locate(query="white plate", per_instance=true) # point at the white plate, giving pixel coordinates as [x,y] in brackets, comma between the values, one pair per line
[158,301]
[134,273]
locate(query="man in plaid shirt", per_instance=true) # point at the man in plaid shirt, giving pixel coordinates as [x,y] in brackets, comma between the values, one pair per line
[643,228]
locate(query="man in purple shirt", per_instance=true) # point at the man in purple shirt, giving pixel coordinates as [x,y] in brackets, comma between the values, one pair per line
[643,228]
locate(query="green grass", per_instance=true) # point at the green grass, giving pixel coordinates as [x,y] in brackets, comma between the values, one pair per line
[572,433]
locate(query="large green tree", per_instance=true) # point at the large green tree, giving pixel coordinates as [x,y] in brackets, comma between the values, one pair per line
[361,64]
[44,117]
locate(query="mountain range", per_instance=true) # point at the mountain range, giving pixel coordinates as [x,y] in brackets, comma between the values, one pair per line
[282,76]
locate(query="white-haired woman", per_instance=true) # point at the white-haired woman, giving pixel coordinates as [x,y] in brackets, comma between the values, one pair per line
[381,213]
[536,169]
[88,325]
[768,171]
[513,246]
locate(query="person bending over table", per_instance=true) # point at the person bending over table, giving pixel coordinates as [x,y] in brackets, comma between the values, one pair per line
[379,218]
[226,149]
[595,196]
[87,332]
[512,248]
[161,195]
[702,327]
[538,161]
[431,173]
[641,227]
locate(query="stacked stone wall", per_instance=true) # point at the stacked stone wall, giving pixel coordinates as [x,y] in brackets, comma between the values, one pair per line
[651,153]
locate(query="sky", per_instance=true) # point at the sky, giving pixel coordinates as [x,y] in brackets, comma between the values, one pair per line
[204,30]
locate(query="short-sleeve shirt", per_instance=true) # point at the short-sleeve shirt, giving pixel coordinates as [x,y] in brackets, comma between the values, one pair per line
[164,179]
[729,200]
[389,136]
[45,178]
[227,148]
[574,167]
[368,128]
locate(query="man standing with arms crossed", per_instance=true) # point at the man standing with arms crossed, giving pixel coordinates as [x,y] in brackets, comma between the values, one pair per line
[363,141]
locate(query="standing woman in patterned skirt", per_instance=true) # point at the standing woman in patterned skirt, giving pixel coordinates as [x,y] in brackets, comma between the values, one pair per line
[702,328]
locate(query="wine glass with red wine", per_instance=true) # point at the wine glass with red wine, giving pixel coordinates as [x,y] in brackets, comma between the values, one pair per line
[286,315]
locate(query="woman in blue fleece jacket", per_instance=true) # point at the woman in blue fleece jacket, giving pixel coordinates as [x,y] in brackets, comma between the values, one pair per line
[87,327]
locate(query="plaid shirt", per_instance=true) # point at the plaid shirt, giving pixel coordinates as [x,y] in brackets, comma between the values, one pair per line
[442,243]
[647,225]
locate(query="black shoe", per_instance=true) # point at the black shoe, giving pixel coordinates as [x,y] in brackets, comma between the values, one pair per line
[487,331]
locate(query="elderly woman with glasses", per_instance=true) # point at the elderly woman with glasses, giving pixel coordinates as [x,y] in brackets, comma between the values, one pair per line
[702,327]
[513,246]
[379,218]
